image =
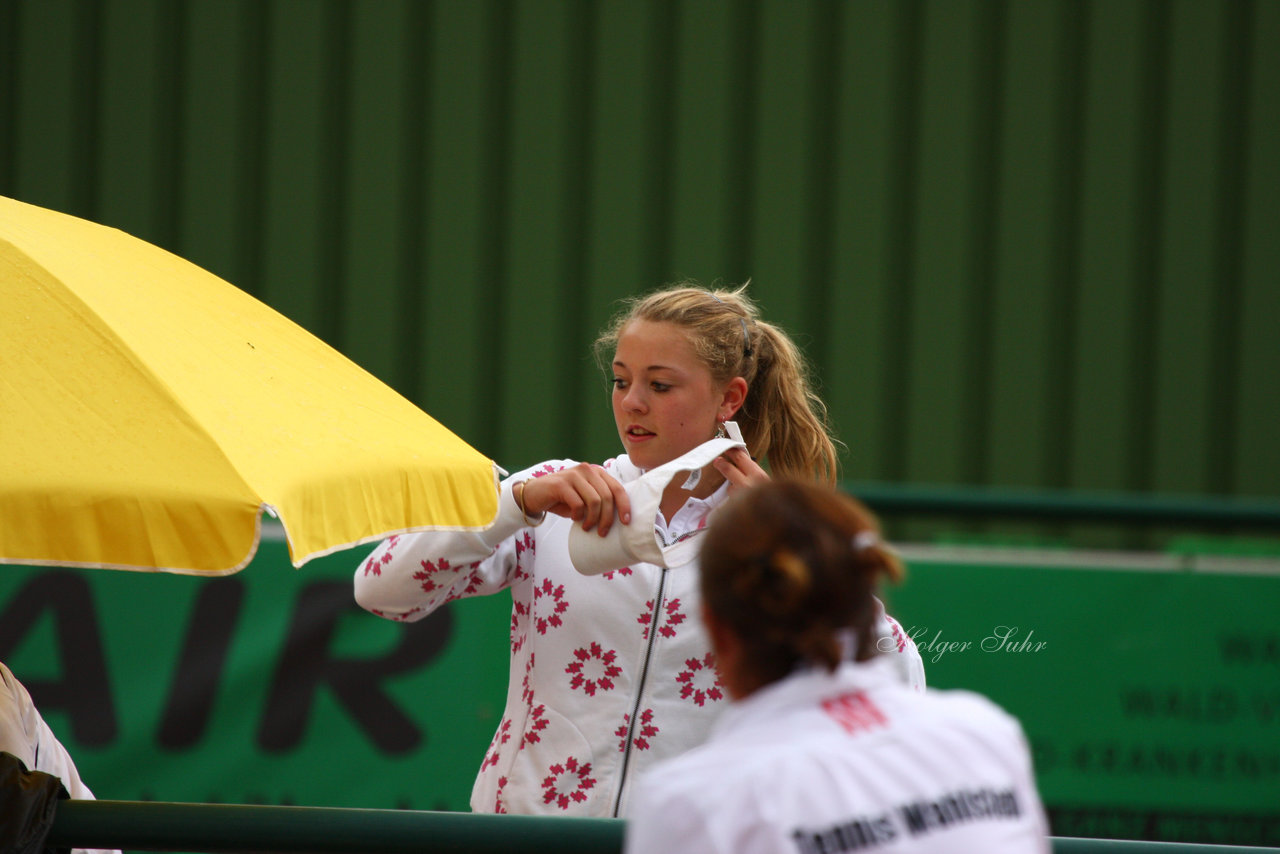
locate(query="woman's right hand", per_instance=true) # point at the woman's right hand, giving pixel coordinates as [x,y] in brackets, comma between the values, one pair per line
[739,468]
[584,493]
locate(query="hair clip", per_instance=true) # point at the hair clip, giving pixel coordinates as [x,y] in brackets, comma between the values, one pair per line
[864,540]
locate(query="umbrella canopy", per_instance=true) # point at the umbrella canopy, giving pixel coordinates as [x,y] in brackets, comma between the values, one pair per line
[150,411]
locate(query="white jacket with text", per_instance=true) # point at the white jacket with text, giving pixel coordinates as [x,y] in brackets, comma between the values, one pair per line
[845,762]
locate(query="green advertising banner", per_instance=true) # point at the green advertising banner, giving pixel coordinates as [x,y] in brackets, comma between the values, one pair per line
[1151,696]
[269,686]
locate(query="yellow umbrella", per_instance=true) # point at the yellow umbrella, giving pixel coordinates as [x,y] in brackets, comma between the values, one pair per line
[150,411]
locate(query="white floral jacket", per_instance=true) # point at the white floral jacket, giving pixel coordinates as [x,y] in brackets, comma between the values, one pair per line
[609,673]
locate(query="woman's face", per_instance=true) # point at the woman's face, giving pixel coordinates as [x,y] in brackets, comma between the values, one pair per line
[665,401]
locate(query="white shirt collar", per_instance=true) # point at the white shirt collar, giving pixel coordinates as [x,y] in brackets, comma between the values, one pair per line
[692,516]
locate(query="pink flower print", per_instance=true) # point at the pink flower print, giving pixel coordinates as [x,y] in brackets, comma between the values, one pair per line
[622,571]
[898,634]
[607,669]
[537,723]
[519,623]
[500,738]
[526,692]
[524,543]
[576,775]
[473,580]
[556,593]
[428,570]
[375,562]
[645,731]
[646,619]
[473,584]
[695,677]
[498,805]
[546,469]
[674,618]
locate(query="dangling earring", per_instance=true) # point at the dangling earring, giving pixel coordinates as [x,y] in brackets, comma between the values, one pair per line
[720,433]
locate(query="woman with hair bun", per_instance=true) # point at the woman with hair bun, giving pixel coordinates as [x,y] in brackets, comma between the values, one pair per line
[823,749]
[610,670]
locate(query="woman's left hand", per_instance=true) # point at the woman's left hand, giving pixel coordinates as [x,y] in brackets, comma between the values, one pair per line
[739,469]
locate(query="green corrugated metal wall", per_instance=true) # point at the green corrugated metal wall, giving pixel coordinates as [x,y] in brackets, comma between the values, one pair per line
[1026,242]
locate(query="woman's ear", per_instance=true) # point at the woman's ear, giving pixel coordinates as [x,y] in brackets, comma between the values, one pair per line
[735,393]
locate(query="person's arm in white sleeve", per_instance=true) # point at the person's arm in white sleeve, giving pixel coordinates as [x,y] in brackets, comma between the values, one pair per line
[408,576]
[24,734]
[893,642]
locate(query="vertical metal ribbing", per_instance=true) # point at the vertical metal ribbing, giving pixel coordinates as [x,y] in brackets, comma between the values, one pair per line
[1149,161]
[170,123]
[10,39]
[1228,263]
[1064,248]
[414,190]
[660,144]
[334,177]
[989,83]
[820,192]
[903,179]
[250,197]
[579,154]
[741,152]
[494,237]
[86,106]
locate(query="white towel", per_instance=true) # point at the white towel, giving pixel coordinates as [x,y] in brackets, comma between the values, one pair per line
[638,542]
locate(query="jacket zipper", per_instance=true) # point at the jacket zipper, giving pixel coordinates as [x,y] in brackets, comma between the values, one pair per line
[644,675]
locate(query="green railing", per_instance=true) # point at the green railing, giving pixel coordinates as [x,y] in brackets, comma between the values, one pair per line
[148,826]
[1209,513]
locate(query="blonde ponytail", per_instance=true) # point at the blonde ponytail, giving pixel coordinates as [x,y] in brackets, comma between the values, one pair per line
[787,418]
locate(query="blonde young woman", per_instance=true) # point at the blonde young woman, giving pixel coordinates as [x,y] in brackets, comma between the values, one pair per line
[823,749]
[612,671]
